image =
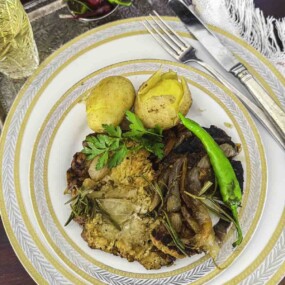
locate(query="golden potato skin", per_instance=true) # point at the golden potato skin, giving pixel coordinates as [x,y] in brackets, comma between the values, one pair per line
[186,101]
[160,99]
[108,101]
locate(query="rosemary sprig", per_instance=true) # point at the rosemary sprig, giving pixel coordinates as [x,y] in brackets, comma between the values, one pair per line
[159,192]
[214,205]
[80,205]
[155,187]
[205,188]
[223,214]
[179,244]
[195,196]
[84,206]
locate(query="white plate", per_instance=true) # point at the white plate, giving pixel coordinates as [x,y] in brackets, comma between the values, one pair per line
[40,252]
[66,126]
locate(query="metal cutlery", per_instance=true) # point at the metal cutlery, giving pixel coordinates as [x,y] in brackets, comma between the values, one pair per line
[231,64]
[182,51]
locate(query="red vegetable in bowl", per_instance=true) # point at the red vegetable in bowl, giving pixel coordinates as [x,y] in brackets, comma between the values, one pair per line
[94,3]
[100,11]
[94,8]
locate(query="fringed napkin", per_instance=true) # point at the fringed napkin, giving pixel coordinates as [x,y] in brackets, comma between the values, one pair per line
[242,19]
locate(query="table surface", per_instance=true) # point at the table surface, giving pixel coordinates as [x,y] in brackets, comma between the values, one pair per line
[48,32]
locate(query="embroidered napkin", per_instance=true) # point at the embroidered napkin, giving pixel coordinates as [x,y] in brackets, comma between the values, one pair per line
[242,19]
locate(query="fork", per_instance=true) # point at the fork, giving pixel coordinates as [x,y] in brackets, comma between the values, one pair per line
[182,51]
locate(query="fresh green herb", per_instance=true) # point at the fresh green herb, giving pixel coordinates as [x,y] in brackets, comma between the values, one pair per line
[150,139]
[111,148]
[112,131]
[137,128]
[118,157]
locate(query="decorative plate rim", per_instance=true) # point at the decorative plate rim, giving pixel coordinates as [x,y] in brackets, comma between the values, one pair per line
[6,223]
[80,83]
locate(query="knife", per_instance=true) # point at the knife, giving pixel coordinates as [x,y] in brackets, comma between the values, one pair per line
[230,63]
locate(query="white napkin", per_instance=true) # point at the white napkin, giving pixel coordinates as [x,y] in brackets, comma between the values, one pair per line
[247,22]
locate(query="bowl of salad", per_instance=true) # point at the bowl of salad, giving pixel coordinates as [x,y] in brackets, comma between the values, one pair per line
[94,10]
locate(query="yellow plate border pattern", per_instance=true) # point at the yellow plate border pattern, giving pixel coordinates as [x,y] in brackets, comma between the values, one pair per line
[25,261]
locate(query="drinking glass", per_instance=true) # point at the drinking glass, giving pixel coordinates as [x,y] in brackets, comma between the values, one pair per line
[18,51]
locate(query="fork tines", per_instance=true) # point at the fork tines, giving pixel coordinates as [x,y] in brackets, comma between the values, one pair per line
[165,35]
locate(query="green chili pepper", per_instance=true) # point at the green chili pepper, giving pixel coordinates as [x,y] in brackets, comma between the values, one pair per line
[120,2]
[226,177]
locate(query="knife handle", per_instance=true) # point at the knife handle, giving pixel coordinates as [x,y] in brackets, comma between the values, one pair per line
[274,113]
[255,110]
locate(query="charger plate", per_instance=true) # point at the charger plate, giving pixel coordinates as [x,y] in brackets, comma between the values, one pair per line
[35,155]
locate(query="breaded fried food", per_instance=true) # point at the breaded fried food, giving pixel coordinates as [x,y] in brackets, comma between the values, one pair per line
[132,242]
[126,198]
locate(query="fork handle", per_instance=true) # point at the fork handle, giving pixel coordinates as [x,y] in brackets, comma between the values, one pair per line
[258,113]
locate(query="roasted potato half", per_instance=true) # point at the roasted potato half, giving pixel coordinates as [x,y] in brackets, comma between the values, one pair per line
[108,101]
[160,99]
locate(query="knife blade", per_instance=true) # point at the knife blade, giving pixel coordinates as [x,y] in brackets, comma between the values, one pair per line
[230,63]
[204,35]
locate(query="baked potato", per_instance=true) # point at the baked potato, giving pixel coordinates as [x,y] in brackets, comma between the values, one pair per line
[160,99]
[108,101]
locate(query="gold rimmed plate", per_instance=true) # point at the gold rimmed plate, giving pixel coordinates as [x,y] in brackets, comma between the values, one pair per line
[60,137]
[47,109]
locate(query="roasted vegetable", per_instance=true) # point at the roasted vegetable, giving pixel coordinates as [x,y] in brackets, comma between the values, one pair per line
[160,99]
[108,102]
[198,217]
[227,180]
[95,174]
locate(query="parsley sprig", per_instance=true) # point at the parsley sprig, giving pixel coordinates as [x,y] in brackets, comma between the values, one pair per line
[113,147]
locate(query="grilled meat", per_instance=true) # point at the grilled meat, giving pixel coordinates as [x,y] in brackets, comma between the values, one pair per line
[162,239]
[78,171]
[133,200]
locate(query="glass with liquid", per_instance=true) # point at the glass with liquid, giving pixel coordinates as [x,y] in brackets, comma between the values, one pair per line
[18,51]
